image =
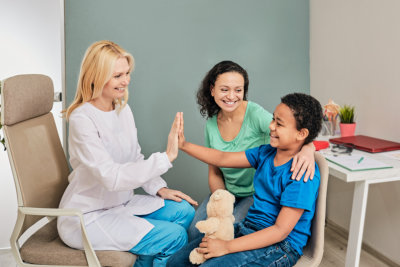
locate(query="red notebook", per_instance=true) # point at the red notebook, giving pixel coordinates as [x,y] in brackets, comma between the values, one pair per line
[366,143]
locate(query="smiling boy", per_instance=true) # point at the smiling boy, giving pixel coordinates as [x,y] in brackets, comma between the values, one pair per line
[278,224]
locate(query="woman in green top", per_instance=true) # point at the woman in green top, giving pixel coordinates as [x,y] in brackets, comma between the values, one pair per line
[235,124]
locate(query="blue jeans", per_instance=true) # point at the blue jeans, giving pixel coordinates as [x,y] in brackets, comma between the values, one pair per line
[279,254]
[241,206]
[168,235]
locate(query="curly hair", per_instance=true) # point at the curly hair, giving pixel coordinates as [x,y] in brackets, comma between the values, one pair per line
[307,112]
[206,102]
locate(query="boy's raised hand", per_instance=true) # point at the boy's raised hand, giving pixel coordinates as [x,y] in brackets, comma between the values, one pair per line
[181,134]
[172,146]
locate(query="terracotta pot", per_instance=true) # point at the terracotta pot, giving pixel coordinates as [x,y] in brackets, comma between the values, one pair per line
[347,129]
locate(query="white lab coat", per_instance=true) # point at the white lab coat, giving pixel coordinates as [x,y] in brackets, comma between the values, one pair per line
[107,165]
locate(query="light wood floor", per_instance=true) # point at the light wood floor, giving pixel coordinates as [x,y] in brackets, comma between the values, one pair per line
[334,255]
[335,252]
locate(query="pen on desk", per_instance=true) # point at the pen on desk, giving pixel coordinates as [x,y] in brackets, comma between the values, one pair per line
[359,161]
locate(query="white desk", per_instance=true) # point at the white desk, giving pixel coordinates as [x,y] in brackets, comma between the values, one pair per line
[362,180]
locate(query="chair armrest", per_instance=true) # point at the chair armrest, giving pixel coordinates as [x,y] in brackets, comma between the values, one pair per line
[89,252]
[50,212]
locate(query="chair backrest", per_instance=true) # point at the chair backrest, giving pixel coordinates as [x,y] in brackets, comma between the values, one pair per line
[314,250]
[37,159]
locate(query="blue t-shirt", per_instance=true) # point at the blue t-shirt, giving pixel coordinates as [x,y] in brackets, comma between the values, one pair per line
[274,189]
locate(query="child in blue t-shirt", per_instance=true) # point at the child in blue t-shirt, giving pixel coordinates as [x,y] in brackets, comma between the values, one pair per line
[278,223]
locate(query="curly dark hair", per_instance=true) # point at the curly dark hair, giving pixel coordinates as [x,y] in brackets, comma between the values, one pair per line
[307,112]
[208,107]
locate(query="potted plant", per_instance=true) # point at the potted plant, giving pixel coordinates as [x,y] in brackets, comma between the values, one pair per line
[347,124]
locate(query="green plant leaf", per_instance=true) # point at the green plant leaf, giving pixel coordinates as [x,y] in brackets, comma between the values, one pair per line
[346,114]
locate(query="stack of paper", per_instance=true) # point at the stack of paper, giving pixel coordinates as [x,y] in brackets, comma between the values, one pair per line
[357,162]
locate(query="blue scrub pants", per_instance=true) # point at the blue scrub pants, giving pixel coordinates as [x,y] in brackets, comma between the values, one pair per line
[168,235]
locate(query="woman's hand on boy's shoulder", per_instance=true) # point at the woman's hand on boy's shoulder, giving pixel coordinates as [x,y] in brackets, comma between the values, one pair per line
[304,162]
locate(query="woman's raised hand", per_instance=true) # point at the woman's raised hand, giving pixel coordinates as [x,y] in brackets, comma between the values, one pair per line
[173,146]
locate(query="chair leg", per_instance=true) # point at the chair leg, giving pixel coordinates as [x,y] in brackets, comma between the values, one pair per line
[15,236]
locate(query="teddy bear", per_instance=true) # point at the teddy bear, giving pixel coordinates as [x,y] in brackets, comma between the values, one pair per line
[219,223]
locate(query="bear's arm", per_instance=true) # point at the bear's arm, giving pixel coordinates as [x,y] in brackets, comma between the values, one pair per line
[208,226]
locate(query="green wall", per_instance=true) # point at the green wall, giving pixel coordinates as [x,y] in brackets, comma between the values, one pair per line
[175,43]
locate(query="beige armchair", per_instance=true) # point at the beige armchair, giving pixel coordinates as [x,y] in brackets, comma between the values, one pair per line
[314,250]
[40,173]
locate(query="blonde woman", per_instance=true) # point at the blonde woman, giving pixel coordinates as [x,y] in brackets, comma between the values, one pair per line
[108,165]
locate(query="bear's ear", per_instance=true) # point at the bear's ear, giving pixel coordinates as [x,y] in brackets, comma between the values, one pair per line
[217,195]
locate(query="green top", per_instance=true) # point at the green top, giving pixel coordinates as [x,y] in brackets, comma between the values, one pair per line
[254,132]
